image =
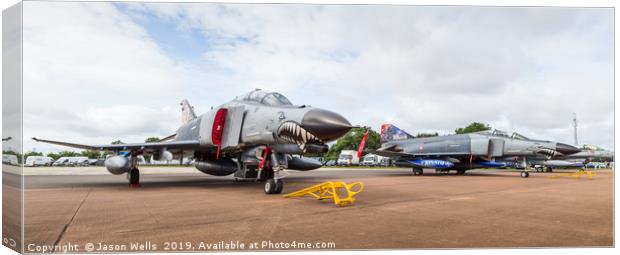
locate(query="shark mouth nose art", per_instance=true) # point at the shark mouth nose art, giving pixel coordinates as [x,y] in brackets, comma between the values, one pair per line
[294,133]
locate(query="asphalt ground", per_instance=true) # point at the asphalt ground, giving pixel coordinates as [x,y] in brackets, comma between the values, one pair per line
[191,211]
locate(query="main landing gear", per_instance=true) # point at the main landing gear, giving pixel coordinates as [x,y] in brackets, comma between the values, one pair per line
[418,171]
[134,177]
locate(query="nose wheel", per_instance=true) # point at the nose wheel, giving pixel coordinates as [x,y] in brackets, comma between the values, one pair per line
[274,186]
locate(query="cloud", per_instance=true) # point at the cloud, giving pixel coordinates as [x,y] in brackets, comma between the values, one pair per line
[422,68]
[427,68]
[92,75]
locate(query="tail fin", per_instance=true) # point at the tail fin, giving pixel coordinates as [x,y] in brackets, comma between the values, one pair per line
[187,112]
[390,132]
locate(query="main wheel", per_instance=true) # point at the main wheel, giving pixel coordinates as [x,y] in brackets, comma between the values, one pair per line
[134,176]
[270,186]
[279,186]
[525,174]
[418,172]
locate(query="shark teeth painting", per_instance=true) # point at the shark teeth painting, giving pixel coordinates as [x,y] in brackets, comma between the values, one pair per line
[295,133]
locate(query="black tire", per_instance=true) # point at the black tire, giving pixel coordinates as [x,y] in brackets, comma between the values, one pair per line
[270,186]
[279,186]
[134,176]
[418,172]
[525,174]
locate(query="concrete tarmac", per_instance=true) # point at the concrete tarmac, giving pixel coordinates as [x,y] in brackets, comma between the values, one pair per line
[483,208]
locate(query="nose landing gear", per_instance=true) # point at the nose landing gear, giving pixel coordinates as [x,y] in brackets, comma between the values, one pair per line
[274,186]
[270,166]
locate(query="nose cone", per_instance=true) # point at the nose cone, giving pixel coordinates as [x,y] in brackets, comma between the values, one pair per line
[566,149]
[325,125]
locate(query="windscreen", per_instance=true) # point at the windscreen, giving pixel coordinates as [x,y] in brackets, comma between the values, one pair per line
[266,98]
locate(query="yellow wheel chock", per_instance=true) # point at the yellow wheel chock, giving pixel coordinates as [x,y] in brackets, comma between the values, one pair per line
[577,175]
[330,190]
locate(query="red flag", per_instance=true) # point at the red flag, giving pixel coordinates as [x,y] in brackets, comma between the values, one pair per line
[362,143]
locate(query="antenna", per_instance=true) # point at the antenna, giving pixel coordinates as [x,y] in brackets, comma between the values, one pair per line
[575,128]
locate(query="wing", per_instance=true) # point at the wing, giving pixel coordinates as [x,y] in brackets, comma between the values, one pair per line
[147,147]
[396,151]
[391,154]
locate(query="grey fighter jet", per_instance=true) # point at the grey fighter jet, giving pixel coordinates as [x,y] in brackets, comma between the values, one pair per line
[464,151]
[591,152]
[254,136]
[587,155]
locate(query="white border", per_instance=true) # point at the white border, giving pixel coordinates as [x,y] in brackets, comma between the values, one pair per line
[557,3]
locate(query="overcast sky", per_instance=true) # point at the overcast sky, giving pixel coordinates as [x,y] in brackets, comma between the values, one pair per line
[97,72]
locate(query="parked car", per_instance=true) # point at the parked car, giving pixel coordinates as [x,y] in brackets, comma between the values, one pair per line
[370,160]
[78,161]
[9,159]
[38,161]
[61,161]
[330,163]
[348,158]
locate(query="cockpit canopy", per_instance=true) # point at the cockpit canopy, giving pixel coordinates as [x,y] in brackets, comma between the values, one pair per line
[501,133]
[591,147]
[265,98]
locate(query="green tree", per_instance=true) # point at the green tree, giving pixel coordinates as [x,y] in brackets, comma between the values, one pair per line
[427,134]
[117,142]
[53,155]
[68,154]
[152,139]
[351,141]
[473,127]
[32,153]
[92,154]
